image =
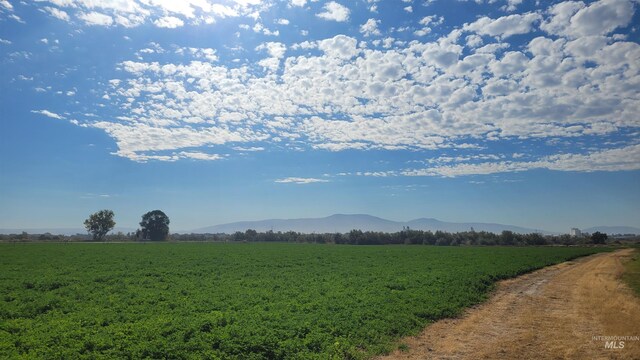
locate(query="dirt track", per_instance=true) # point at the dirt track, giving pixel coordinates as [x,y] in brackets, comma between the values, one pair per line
[552,313]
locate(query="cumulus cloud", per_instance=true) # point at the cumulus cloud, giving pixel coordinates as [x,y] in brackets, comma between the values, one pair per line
[96,18]
[6,4]
[421,96]
[196,155]
[259,28]
[168,14]
[57,13]
[511,5]
[249,149]
[142,140]
[334,11]
[275,49]
[340,46]
[370,28]
[48,114]
[504,26]
[575,19]
[460,90]
[208,54]
[620,159]
[170,22]
[427,22]
[301,181]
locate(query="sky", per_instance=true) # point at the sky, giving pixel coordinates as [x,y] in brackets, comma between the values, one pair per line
[518,112]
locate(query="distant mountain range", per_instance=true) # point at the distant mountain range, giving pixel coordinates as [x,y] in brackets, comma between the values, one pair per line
[345,223]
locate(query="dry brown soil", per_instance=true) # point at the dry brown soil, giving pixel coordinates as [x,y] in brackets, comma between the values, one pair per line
[552,313]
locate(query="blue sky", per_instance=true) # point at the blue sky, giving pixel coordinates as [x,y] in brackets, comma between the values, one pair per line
[510,111]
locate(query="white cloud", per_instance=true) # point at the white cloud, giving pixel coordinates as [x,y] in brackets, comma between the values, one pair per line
[196,155]
[620,159]
[426,22]
[341,93]
[334,11]
[271,64]
[169,22]
[57,13]
[298,2]
[370,28]
[599,18]
[5,42]
[422,32]
[505,26]
[422,96]
[275,49]
[340,46]
[208,54]
[512,5]
[249,149]
[474,41]
[6,7]
[185,8]
[259,28]
[164,12]
[96,18]
[48,114]
[431,19]
[6,4]
[560,16]
[305,45]
[283,21]
[142,140]
[298,180]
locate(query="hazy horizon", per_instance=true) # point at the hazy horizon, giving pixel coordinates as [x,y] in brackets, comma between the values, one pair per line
[326,226]
[512,112]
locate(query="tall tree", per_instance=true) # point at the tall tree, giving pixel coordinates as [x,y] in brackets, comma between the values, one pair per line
[99,224]
[154,226]
[599,238]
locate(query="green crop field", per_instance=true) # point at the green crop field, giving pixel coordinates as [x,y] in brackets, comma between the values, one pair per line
[239,301]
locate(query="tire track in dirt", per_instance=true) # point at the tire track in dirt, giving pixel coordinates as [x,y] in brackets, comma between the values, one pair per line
[552,313]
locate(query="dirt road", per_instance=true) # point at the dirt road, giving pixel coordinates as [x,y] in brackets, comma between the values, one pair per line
[553,313]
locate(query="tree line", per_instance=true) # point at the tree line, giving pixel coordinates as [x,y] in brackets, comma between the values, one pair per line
[404,237]
[154,226]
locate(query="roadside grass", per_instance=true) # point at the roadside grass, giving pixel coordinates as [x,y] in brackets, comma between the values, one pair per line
[631,274]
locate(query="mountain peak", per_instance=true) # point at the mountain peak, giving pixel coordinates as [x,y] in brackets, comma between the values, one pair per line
[344,223]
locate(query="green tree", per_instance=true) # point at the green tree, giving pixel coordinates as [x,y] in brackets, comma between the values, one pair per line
[355,236]
[154,226]
[598,238]
[507,238]
[99,224]
[250,235]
